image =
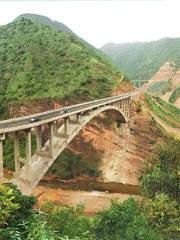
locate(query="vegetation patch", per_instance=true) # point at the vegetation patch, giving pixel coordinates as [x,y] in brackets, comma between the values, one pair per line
[154,218]
[157,86]
[175,95]
[70,165]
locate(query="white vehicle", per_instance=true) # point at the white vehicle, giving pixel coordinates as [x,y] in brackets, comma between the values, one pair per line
[35,119]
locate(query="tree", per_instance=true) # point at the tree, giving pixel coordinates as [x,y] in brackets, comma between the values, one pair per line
[7,205]
[161,173]
[163,215]
[124,221]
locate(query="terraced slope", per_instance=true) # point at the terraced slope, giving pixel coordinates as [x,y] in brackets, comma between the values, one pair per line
[165,83]
[168,113]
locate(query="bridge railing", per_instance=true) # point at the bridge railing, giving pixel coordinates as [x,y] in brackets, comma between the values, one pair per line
[19,123]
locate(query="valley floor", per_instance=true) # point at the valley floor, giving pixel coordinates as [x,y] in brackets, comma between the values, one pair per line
[93,201]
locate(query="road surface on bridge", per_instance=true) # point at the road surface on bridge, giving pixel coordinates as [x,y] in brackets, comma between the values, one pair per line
[25,122]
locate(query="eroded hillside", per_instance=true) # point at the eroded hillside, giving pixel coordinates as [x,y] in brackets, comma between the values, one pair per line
[165,83]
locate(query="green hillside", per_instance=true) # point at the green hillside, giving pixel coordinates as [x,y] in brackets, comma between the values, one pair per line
[38,62]
[50,23]
[141,60]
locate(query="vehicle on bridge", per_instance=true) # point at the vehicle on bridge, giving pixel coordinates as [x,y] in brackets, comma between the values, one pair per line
[35,119]
[62,111]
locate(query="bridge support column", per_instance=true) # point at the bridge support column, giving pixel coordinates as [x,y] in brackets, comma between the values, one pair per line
[50,136]
[28,154]
[16,153]
[2,138]
[127,107]
[120,104]
[123,106]
[55,127]
[76,120]
[38,140]
[66,123]
[78,117]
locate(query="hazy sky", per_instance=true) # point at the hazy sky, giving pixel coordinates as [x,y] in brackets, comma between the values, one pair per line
[100,22]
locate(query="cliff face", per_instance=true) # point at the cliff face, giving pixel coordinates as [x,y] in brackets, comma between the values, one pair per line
[122,149]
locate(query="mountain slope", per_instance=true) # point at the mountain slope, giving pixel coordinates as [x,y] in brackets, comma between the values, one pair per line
[38,62]
[45,21]
[141,60]
[165,83]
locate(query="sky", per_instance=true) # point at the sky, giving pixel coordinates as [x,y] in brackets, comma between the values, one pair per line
[101,22]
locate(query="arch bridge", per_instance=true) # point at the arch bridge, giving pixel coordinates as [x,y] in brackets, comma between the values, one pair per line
[62,126]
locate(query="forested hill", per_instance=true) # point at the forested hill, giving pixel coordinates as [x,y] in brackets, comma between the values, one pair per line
[37,61]
[50,23]
[141,60]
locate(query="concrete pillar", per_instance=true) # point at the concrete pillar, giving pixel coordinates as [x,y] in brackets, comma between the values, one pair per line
[55,127]
[28,154]
[123,105]
[16,152]
[78,117]
[38,139]
[2,138]
[66,121]
[50,136]
[128,107]
[75,119]
[120,104]
[1,158]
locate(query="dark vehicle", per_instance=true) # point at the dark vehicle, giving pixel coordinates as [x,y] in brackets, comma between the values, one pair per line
[63,111]
[35,119]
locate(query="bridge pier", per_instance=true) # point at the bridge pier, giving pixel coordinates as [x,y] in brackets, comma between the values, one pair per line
[76,120]
[16,153]
[28,154]
[38,140]
[2,138]
[50,136]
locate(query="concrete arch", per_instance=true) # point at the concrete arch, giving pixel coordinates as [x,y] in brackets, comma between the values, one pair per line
[40,163]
